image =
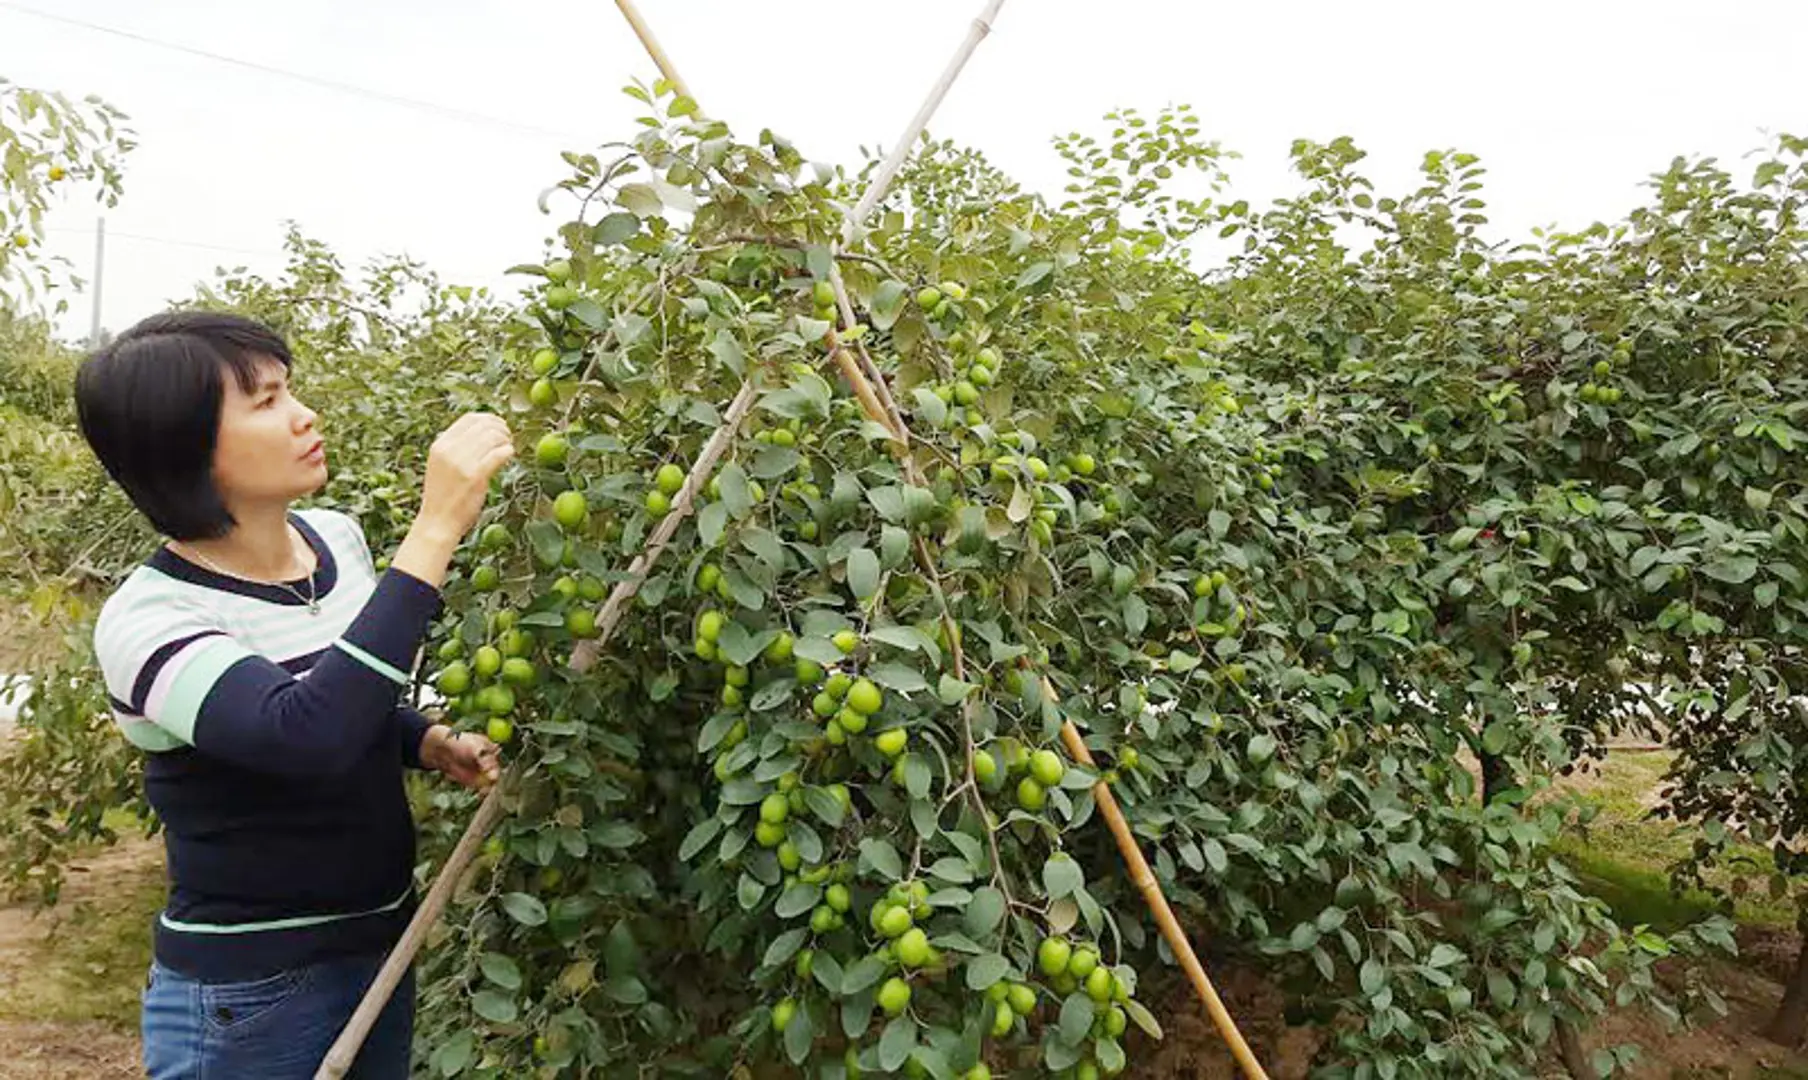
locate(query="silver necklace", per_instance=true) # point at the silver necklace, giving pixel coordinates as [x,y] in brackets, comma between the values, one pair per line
[312,600]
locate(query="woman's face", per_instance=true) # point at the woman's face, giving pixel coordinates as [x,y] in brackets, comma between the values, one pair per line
[268,450]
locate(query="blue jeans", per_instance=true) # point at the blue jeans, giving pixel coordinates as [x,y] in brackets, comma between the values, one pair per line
[278,1028]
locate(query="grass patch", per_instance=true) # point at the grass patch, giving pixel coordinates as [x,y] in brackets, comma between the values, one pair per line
[1624,856]
[86,958]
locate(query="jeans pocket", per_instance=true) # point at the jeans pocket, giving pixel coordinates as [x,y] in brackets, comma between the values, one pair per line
[233,1005]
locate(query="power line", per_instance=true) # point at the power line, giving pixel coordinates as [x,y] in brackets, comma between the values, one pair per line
[312,80]
[169,241]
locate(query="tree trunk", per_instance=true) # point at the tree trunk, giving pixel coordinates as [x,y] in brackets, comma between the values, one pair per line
[1786,1026]
[1496,777]
[1569,1048]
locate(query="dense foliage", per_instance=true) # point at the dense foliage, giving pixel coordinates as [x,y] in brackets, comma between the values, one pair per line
[1289,540]
[1284,541]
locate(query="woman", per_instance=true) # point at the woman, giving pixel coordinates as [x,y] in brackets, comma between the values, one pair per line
[258,659]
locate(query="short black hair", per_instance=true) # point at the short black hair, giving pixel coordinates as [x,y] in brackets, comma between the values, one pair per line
[149,405]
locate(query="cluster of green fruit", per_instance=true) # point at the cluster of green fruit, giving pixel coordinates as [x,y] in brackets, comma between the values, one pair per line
[846,706]
[541,393]
[1593,392]
[946,306]
[1072,970]
[1037,772]
[485,685]
[1217,611]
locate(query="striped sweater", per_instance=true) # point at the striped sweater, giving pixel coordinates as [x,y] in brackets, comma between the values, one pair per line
[275,744]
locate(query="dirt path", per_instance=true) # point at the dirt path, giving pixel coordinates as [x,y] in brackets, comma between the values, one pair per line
[1729,1049]
[69,977]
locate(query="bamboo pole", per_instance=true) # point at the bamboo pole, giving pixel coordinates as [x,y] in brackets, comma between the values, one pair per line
[344,1051]
[1144,879]
[651,44]
[887,414]
[895,160]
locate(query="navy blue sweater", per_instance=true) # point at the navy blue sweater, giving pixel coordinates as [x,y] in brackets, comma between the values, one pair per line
[276,740]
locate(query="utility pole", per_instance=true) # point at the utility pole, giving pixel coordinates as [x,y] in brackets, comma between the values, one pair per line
[100,264]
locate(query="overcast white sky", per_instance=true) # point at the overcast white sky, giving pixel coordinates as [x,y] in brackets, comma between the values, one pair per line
[1572,104]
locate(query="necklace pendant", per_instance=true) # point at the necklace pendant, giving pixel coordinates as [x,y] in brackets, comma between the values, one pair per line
[313,607]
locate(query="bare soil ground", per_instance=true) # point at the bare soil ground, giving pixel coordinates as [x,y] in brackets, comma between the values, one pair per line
[69,981]
[69,977]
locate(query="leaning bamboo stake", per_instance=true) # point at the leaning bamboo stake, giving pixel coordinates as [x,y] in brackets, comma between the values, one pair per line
[651,44]
[882,409]
[344,1052]
[895,160]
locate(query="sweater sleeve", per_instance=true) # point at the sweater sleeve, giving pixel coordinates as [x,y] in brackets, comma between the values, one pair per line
[411,728]
[189,683]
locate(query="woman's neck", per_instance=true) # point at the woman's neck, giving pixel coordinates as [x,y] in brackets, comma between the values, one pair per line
[261,546]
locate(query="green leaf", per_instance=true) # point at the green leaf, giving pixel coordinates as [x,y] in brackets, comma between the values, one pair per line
[785,946]
[1110,1055]
[1034,273]
[455,1052]
[1136,615]
[881,856]
[904,680]
[825,806]
[616,228]
[1443,955]
[1062,876]
[819,649]
[1143,1018]
[625,989]
[772,462]
[1501,989]
[732,481]
[888,303]
[749,892]
[932,409]
[1372,977]
[888,499]
[588,312]
[711,521]
[548,541]
[865,972]
[495,1007]
[894,547]
[737,646]
[952,691]
[640,199]
[800,1035]
[917,776]
[500,970]
[863,572]
[895,1045]
[524,909]
[1076,1019]
[985,970]
[796,900]
[1214,855]
[985,913]
[1732,569]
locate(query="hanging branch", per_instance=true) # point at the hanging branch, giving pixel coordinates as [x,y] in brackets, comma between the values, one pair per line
[874,394]
[345,1049]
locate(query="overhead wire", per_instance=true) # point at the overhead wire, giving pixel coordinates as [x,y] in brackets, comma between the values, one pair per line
[448,111]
